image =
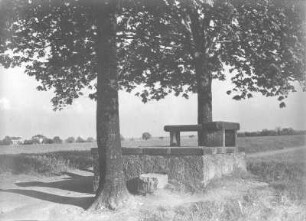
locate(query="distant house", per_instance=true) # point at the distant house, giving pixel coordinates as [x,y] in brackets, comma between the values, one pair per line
[38,139]
[17,140]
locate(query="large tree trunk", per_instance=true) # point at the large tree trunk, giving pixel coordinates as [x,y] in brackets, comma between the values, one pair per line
[204,81]
[112,191]
[203,75]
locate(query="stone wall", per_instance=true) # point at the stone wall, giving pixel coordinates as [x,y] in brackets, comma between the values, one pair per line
[192,168]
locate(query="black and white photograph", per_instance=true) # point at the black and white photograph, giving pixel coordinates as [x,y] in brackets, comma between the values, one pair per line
[153,110]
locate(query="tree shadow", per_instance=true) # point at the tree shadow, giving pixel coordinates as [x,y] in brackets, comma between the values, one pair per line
[87,170]
[75,183]
[82,202]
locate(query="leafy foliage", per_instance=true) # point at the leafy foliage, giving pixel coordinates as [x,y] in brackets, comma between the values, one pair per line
[262,42]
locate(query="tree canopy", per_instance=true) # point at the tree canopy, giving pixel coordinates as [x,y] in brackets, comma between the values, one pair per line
[262,42]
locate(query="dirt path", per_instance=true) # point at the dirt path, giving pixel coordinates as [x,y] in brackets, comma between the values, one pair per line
[270,153]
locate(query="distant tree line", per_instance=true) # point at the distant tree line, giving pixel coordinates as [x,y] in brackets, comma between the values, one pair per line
[41,139]
[276,132]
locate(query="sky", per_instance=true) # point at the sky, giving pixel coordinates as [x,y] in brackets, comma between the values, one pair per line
[25,112]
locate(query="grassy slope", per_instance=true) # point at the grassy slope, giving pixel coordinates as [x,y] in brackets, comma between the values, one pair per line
[285,172]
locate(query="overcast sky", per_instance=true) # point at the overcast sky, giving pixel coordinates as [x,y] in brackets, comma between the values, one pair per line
[24,111]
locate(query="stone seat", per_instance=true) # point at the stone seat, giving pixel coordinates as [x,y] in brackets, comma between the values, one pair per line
[217,133]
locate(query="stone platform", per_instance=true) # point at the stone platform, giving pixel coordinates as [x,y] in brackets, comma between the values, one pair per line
[191,167]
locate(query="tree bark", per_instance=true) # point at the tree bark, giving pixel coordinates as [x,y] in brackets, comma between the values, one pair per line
[112,192]
[204,81]
[203,75]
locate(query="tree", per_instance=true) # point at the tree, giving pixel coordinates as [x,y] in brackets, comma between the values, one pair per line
[57,140]
[28,142]
[7,141]
[165,45]
[70,140]
[90,140]
[66,45]
[181,46]
[112,191]
[122,137]
[79,140]
[47,141]
[38,138]
[146,136]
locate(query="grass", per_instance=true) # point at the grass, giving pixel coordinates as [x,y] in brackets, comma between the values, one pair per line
[286,173]
[45,163]
[282,198]
[268,143]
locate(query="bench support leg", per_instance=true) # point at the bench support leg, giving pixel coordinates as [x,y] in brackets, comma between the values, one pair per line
[175,139]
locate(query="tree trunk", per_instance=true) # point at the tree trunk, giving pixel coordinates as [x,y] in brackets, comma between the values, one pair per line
[203,75]
[112,191]
[204,81]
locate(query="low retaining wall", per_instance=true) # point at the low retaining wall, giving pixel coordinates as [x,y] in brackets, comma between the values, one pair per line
[193,168]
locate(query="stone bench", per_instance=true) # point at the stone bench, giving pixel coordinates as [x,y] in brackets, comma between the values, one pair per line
[191,167]
[218,133]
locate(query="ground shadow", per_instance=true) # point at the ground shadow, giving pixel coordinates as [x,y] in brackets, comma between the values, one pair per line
[87,170]
[75,182]
[82,202]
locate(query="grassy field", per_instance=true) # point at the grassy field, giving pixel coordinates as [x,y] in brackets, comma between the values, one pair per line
[51,159]
[246,144]
[267,143]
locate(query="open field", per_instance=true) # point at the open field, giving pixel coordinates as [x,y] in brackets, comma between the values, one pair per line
[246,144]
[57,158]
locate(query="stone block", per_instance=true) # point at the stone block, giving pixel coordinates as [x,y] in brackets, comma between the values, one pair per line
[193,172]
[156,151]
[161,178]
[132,151]
[146,184]
[181,151]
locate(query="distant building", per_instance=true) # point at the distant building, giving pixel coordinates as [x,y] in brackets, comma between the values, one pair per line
[38,139]
[17,140]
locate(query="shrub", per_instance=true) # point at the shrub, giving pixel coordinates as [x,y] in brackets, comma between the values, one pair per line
[70,140]
[146,136]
